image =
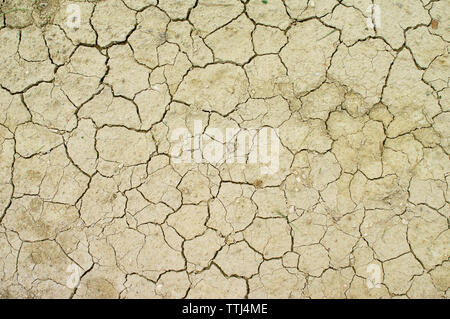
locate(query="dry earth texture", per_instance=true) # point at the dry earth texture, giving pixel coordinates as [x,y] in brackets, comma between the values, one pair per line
[93,204]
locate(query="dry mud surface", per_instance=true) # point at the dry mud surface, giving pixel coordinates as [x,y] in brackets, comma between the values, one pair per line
[93,204]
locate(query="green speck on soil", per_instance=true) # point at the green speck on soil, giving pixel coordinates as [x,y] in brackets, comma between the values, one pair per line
[287,219]
[328,34]
[281,214]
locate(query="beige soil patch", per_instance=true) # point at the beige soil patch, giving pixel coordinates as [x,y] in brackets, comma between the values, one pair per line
[95,203]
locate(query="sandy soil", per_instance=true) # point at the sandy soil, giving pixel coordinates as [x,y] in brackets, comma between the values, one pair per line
[108,108]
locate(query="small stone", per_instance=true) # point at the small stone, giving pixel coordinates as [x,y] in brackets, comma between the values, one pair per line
[434,24]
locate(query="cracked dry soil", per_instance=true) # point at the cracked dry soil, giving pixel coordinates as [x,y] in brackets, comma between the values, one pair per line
[88,185]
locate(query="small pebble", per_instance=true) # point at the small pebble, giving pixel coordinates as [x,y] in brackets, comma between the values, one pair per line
[434,24]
